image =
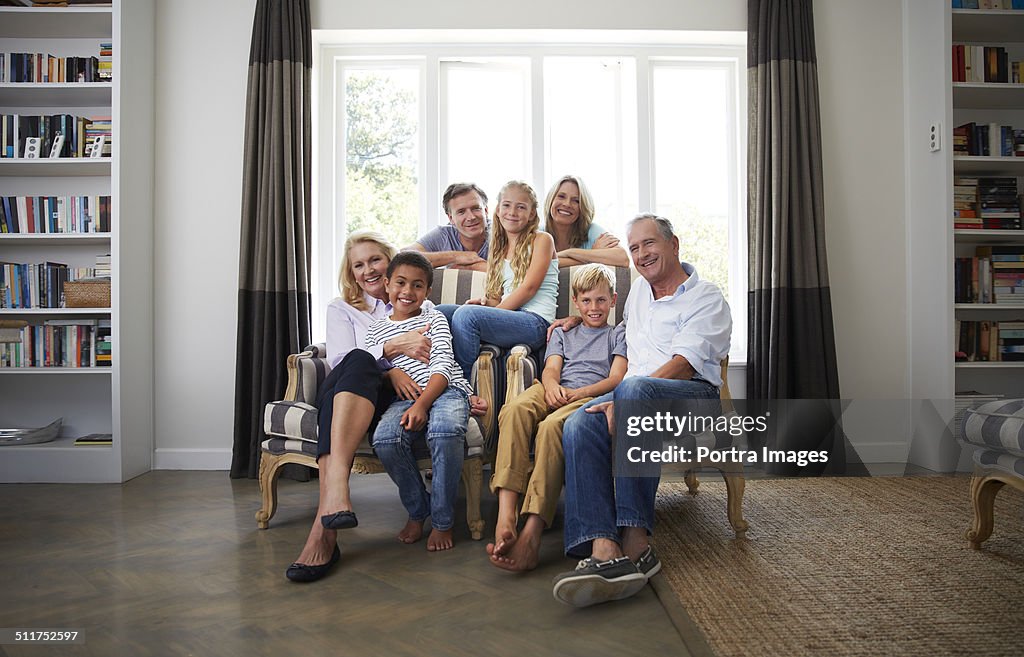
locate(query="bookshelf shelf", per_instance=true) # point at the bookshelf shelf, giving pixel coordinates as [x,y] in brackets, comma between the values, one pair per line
[982,365]
[988,26]
[47,94]
[992,166]
[988,95]
[55,238]
[988,236]
[56,22]
[54,311]
[65,166]
[55,370]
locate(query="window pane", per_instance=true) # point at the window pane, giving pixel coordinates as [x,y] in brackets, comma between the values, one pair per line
[485,123]
[381,151]
[590,131]
[692,155]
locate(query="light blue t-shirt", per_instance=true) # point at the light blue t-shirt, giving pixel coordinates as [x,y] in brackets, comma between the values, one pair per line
[592,235]
[545,302]
[446,238]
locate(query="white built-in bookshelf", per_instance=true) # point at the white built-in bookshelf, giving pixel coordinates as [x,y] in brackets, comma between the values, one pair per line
[116,399]
[986,103]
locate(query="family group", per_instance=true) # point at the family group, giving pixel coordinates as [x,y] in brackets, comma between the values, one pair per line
[400,369]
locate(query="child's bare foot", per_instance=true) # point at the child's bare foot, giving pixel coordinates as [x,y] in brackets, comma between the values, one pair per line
[524,553]
[440,540]
[505,533]
[504,539]
[412,532]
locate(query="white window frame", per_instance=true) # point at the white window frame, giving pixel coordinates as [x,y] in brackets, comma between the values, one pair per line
[338,49]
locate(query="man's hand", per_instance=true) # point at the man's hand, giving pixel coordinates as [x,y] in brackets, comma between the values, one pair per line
[608,408]
[555,396]
[606,241]
[467,259]
[403,384]
[573,395]
[566,323]
[477,405]
[415,418]
[414,344]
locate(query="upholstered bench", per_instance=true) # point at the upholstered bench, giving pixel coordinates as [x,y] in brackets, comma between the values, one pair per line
[995,432]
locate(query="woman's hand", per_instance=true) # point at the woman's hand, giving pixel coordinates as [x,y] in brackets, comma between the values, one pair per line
[476,302]
[566,323]
[414,419]
[606,241]
[403,384]
[477,405]
[414,344]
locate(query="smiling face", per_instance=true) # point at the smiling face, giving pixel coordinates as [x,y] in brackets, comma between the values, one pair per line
[595,305]
[515,210]
[468,213]
[407,289]
[565,207]
[369,264]
[654,256]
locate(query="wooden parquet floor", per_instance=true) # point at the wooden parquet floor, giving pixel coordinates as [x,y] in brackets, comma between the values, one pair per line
[172,563]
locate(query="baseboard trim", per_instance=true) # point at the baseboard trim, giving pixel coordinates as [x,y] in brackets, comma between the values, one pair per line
[192,459]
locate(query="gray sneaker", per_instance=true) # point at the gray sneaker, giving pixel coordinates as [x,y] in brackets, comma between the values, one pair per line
[649,564]
[594,582]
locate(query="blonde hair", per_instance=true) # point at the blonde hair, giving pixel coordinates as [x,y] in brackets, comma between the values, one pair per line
[520,260]
[581,229]
[351,293]
[589,277]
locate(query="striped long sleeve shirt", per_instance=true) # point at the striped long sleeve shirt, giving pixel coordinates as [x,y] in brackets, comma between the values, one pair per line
[442,355]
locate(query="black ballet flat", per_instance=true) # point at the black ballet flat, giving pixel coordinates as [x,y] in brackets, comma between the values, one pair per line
[340,520]
[300,572]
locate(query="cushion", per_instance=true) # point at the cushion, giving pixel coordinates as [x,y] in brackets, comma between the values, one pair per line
[1004,462]
[291,420]
[997,425]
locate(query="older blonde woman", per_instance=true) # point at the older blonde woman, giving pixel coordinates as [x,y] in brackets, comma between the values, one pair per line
[569,218]
[355,394]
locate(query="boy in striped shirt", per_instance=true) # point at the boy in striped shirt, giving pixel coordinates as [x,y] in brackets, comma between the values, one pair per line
[433,398]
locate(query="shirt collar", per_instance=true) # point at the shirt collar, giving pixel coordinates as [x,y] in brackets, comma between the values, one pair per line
[373,302]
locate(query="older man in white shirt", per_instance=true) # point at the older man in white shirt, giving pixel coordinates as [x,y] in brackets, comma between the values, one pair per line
[677,334]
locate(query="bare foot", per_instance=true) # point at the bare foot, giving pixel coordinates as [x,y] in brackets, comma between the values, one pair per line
[412,532]
[505,533]
[440,540]
[524,553]
[503,542]
[477,405]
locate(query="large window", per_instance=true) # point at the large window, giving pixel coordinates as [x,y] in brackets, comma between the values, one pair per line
[648,128]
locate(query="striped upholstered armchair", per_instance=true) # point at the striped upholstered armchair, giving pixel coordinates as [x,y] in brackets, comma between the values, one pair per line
[291,423]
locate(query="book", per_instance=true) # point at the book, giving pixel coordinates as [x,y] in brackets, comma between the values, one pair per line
[95,439]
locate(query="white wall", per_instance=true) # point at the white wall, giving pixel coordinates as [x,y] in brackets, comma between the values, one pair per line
[202,53]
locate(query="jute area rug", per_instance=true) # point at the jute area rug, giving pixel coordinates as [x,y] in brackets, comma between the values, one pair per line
[846,566]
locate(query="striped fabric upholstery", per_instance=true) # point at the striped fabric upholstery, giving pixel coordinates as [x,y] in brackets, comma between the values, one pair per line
[311,373]
[457,286]
[997,425]
[990,459]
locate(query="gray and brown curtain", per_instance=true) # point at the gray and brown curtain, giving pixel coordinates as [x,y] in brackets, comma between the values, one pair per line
[274,263]
[791,348]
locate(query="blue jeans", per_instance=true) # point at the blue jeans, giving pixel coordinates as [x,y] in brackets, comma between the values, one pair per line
[472,325]
[448,310]
[446,439]
[596,503]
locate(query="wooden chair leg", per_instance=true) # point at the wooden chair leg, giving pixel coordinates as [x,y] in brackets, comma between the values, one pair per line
[691,481]
[472,478]
[734,485]
[270,469]
[983,498]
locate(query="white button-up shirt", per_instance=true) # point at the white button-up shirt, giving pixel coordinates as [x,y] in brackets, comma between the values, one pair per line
[347,326]
[694,322]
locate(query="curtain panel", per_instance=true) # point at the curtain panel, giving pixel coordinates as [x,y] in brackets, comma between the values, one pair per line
[274,262]
[791,344]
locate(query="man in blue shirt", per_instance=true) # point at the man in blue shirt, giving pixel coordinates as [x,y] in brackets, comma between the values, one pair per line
[678,330]
[463,243]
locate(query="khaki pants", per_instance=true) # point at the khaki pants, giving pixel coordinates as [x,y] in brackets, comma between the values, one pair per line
[518,421]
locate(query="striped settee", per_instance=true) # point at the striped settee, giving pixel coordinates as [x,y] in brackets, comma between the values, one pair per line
[498,375]
[995,432]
